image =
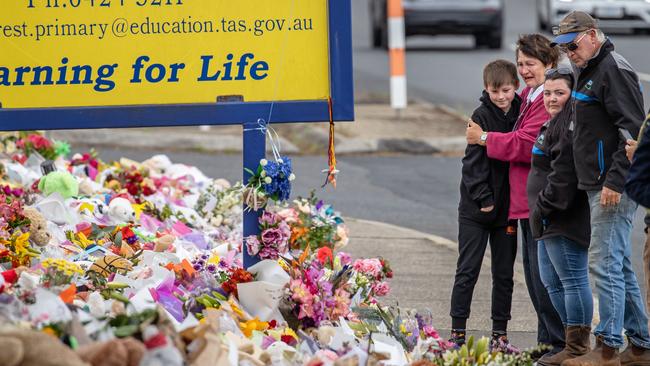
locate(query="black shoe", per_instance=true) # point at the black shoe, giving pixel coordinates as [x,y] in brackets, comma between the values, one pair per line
[457,337]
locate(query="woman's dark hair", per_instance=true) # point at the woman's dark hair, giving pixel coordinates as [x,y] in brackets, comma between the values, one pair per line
[559,125]
[539,47]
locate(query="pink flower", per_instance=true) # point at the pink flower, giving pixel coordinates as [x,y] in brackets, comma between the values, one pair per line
[381,288]
[252,244]
[288,215]
[268,218]
[345,258]
[371,267]
[431,332]
[285,230]
[268,253]
[300,292]
[272,237]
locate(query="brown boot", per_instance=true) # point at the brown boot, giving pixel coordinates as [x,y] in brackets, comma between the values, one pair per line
[635,356]
[601,355]
[577,344]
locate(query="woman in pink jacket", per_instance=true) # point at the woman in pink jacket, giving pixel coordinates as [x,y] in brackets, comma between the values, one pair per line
[534,56]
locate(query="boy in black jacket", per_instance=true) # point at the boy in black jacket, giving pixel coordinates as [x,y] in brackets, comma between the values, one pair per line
[483,209]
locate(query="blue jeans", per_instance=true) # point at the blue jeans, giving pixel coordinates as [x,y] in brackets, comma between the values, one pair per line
[619,297]
[563,266]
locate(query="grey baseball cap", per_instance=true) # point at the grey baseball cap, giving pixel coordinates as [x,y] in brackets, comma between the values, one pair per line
[571,25]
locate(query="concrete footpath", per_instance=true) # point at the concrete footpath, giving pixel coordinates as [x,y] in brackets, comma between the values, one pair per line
[424,266]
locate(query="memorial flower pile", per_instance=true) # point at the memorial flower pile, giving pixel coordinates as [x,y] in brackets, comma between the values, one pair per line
[150,253]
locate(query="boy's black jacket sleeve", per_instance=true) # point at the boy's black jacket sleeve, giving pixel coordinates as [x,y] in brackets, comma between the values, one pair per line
[476,170]
[562,182]
[638,183]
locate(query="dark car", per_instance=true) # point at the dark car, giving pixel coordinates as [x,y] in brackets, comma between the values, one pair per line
[481,18]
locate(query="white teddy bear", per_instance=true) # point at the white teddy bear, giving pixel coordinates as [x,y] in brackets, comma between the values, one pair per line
[120,211]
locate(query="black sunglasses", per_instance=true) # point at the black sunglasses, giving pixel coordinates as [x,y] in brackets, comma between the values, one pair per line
[559,70]
[573,45]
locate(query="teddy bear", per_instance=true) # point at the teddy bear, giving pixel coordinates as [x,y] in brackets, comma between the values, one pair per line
[22,347]
[116,352]
[120,211]
[38,233]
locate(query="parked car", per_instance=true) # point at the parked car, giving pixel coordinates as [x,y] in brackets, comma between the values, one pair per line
[481,18]
[631,15]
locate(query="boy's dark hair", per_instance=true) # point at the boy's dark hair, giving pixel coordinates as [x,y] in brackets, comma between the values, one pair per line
[539,47]
[499,73]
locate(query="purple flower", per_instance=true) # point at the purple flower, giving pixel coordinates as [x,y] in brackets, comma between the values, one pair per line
[197,267]
[268,253]
[345,258]
[212,268]
[269,218]
[272,236]
[285,230]
[252,244]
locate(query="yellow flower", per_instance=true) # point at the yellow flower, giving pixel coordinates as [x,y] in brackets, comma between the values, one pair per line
[214,259]
[236,309]
[21,244]
[82,240]
[252,325]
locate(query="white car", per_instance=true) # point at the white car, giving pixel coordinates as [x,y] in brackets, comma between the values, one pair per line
[631,15]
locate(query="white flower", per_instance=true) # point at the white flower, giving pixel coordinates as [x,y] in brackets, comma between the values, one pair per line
[263,173]
[280,161]
[263,162]
[292,177]
[268,180]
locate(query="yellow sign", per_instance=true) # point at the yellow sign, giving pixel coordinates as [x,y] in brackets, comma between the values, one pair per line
[76,53]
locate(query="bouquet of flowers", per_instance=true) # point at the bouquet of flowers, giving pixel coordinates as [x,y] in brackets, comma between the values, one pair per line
[315,295]
[272,180]
[220,205]
[315,224]
[16,249]
[273,241]
[59,272]
[35,142]
[369,279]
[133,180]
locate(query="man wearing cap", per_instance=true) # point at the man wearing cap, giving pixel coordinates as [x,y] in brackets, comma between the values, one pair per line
[607,97]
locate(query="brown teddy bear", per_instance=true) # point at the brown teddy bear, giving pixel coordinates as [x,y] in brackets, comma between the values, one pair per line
[31,348]
[38,233]
[116,352]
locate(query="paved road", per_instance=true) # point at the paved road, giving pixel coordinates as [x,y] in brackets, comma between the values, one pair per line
[446,69]
[417,192]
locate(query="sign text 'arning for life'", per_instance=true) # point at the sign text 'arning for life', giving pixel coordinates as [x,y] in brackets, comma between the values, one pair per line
[79,53]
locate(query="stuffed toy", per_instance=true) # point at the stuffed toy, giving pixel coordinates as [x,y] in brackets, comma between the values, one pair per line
[120,211]
[116,352]
[57,181]
[160,349]
[163,243]
[38,233]
[31,348]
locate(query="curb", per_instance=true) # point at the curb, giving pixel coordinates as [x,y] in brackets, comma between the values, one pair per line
[436,240]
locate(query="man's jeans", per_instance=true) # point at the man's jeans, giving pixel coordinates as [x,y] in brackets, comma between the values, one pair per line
[620,302]
[563,266]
